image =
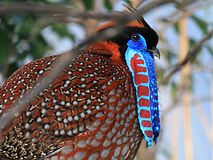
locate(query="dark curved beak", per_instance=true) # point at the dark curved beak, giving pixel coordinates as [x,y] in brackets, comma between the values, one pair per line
[155,52]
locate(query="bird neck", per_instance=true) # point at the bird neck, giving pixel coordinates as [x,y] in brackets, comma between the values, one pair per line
[106,48]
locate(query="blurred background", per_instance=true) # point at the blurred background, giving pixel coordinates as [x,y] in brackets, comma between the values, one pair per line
[186,98]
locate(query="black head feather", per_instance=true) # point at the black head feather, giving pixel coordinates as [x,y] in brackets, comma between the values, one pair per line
[143,29]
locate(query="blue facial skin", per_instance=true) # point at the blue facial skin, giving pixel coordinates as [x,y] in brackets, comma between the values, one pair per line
[139,47]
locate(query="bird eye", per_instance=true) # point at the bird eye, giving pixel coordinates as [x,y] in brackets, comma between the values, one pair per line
[135,37]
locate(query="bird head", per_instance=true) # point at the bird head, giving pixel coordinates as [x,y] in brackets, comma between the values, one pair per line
[135,27]
[136,46]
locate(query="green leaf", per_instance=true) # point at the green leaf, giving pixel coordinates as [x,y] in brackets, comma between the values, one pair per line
[60,29]
[192,42]
[4,49]
[63,31]
[12,68]
[170,56]
[108,5]
[24,26]
[38,47]
[201,23]
[160,73]
[71,36]
[176,27]
[88,4]
[174,91]
[210,49]
[128,2]
[22,56]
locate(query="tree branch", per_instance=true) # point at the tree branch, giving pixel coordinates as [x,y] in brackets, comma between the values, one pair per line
[192,54]
[25,8]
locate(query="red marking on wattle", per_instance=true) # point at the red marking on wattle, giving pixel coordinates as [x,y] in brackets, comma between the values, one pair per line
[134,63]
[139,61]
[136,69]
[141,69]
[145,114]
[148,133]
[143,91]
[144,102]
[146,123]
[136,56]
[140,79]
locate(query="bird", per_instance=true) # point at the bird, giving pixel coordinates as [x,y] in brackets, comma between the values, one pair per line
[101,106]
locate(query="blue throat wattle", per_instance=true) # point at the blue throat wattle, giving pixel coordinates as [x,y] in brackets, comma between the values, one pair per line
[141,65]
[153,94]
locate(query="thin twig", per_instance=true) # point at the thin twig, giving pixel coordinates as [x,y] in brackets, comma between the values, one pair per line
[178,14]
[191,55]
